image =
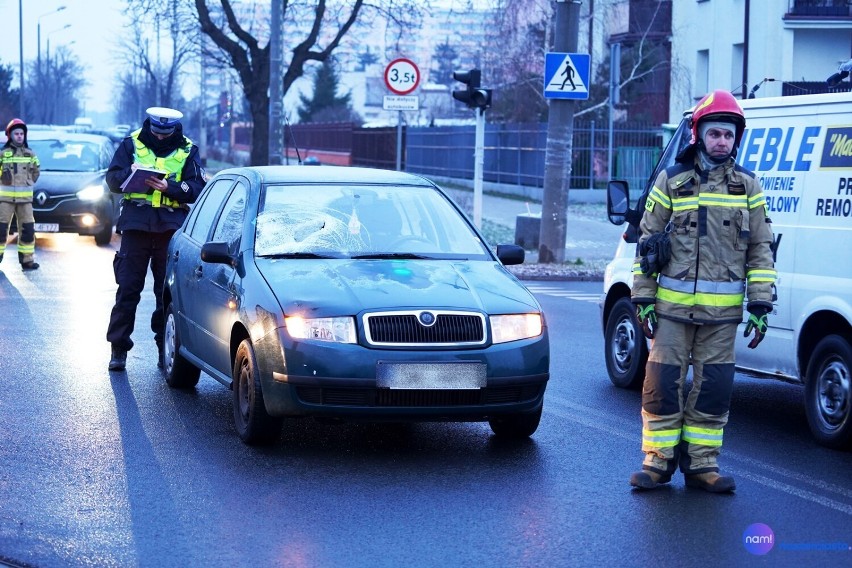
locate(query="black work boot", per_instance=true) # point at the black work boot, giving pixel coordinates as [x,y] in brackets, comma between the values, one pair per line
[118,360]
[711,481]
[647,479]
[30,265]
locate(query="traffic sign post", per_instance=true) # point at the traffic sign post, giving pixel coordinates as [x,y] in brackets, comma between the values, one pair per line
[401,77]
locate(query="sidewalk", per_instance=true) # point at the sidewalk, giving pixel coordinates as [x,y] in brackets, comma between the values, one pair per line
[590,237]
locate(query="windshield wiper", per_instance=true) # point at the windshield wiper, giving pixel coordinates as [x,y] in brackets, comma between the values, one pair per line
[381,255]
[299,255]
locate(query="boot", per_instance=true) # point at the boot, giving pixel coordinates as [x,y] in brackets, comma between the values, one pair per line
[647,479]
[29,265]
[118,360]
[711,481]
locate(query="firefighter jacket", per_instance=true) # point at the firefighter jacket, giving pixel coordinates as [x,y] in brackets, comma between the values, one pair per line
[19,170]
[720,244]
[156,211]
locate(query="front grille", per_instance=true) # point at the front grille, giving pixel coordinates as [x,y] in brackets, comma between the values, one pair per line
[416,398]
[405,328]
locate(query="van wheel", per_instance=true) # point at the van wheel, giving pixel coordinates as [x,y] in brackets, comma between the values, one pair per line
[625,347]
[828,392]
[254,425]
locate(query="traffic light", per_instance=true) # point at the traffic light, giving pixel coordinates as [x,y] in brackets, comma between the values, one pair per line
[473,96]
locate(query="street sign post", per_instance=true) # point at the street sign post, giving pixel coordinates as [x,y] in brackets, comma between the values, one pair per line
[401,77]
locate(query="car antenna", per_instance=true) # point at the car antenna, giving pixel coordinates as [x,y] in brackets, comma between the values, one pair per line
[293,138]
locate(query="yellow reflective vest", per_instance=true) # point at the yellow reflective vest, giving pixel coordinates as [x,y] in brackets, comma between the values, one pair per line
[721,244]
[173,164]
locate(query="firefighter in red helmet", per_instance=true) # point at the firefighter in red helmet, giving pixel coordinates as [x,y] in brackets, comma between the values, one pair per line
[711,215]
[19,170]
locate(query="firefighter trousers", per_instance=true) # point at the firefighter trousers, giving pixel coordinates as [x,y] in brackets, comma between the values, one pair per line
[687,434]
[23,210]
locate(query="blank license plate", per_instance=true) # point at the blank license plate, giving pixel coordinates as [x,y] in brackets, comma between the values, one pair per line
[430,375]
[47,227]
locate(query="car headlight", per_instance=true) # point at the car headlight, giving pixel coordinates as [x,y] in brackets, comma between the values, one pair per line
[340,330]
[91,193]
[515,326]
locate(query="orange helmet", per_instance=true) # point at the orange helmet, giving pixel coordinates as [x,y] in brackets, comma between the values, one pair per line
[15,123]
[720,105]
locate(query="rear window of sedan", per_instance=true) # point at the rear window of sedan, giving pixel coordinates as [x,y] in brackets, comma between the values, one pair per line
[350,220]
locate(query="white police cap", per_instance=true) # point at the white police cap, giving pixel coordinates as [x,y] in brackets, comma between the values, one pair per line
[163,120]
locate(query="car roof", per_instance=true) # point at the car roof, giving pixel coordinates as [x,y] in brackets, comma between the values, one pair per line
[326,174]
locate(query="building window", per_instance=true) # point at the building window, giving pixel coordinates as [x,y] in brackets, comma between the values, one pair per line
[737,68]
[702,73]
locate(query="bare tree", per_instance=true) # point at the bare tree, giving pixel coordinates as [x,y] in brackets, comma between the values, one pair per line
[313,30]
[54,88]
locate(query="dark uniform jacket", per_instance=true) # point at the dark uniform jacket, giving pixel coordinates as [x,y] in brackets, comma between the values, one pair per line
[720,244]
[139,216]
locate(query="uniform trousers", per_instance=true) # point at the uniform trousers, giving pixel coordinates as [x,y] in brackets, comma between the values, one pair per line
[23,210]
[687,433]
[138,250]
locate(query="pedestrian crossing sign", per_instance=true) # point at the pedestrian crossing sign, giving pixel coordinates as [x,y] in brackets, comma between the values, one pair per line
[566,75]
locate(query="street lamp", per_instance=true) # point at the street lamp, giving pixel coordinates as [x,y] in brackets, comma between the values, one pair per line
[65,27]
[38,28]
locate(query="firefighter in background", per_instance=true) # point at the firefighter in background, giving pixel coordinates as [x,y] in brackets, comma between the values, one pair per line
[19,170]
[714,213]
[148,219]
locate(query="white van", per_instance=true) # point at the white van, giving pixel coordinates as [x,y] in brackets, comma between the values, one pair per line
[800,148]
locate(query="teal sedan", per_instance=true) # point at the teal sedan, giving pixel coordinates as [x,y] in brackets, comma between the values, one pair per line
[353,294]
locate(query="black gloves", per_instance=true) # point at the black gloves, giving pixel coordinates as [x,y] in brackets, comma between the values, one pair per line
[648,318]
[758,322]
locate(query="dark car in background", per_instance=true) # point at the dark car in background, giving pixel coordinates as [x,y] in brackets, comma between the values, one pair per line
[350,294]
[70,195]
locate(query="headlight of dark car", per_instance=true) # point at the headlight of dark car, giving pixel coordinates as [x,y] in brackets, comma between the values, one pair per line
[513,327]
[91,193]
[339,330]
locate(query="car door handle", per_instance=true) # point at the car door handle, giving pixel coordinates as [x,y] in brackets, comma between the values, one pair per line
[199,271]
[176,255]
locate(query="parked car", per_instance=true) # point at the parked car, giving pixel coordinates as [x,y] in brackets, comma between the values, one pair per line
[70,195]
[350,293]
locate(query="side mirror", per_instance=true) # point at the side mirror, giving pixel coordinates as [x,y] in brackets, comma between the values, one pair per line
[216,253]
[510,254]
[617,201]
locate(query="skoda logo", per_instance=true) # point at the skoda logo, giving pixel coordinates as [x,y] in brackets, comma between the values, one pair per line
[41,198]
[426,318]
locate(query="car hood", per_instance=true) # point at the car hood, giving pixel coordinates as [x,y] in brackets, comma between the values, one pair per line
[59,183]
[336,287]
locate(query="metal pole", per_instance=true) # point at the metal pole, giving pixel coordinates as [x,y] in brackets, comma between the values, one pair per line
[399,140]
[276,96]
[614,95]
[478,162]
[21,55]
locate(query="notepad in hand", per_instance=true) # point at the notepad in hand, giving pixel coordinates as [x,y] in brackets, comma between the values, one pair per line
[135,182]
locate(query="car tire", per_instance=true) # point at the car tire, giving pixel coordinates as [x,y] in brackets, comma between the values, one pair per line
[521,425]
[104,237]
[625,348]
[828,392]
[179,373]
[254,425]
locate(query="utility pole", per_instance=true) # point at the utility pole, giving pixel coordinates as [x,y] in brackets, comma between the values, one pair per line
[276,96]
[560,133]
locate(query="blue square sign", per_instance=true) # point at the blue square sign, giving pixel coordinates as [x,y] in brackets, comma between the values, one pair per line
[566,75]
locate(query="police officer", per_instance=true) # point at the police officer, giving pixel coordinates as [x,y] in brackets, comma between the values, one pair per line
[714,213]
[19,170]
[148,218]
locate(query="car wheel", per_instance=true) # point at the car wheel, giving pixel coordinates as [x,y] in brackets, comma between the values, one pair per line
[179,373]
[254,425]
[828,392]
[625,348]
[104,237]
[521,425]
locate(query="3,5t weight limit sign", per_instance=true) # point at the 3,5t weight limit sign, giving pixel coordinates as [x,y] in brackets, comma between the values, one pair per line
[402,76]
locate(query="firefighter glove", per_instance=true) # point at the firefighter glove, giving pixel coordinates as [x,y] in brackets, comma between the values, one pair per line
[756,321]
[647,318]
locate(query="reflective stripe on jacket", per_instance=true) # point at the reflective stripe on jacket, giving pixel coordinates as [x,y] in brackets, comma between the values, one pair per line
[173,164]
[720,238]
[19,170]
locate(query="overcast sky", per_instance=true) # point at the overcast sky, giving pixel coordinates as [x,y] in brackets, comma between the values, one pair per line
[95,27]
